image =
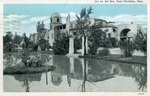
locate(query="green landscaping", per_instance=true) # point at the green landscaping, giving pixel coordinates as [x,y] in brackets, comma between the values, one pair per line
[18,69]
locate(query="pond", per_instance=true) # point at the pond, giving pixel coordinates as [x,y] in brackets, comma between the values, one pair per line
[76,75]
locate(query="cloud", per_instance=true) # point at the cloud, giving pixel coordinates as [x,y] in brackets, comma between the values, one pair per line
[34,20]
[12,22]
[126,19]
[14,17]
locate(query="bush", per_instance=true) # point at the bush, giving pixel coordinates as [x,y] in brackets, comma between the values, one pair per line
[127,47]
[61,47]
[77,44]
[92,49]
[104,52]
[140,42]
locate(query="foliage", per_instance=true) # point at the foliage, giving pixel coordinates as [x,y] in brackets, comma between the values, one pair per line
[77,44]
[104,52]
[43,44]
[40,26]
[140,42]
[113,42]
[7,38]
[92,49]
[106,43]
[41,30]
[26,41]
[7,41]
[97,39]
[18,69]
[61,46]
[127,47]
[17,39]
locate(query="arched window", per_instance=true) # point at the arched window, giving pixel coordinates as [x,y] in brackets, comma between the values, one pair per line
[114,30]
[57,19]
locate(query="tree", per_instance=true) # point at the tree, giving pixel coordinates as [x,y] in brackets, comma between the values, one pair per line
[97,39]
[140,42]
[17,39]
[43,44]
[82,24]
[61,46]
[127,47]
[7,41]
[25,42]
[40,27]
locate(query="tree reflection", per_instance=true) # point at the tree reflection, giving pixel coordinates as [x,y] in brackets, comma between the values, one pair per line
[141,78]
[84,76]
[26,84]
[89,78]
[27,79]
[139,73]
[56,78]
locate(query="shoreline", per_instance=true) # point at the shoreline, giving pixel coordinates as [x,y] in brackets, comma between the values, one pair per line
[119,58]
[27,70]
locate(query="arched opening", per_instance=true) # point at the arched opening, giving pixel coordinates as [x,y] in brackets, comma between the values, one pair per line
[123,34]
[58,20]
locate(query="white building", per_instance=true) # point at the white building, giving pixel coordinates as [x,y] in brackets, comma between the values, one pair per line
[59,30]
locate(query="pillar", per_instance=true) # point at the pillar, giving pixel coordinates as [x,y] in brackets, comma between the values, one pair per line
[39,48]
[82,53]
[84,67]
[71,65]
[87,47]
[71,45]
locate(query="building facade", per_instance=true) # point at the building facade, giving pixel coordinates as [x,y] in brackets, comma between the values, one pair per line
[59,30]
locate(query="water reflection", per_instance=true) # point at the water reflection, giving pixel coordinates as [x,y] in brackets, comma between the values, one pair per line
[27,79]
[91,73]
[141,78]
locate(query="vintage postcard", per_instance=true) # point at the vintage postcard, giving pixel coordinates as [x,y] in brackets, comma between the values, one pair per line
[99,47]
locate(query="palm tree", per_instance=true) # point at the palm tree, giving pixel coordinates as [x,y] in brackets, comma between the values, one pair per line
[40,27]
[82,24]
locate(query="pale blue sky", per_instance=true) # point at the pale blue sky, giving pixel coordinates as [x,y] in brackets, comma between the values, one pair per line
[22,18]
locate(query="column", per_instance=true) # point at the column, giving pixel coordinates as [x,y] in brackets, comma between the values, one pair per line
[87,47]
[82,62]
[71,45]
[85,67]
[82,53]
[71,65]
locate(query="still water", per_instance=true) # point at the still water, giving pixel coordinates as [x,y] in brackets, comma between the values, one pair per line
[77,75]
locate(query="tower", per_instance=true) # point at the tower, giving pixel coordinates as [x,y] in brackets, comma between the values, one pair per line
[55,20]
[68,23]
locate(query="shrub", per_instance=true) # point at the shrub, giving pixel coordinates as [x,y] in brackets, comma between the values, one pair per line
[127,47]
[104,52]
[92,49]
[61,47]
[140,42]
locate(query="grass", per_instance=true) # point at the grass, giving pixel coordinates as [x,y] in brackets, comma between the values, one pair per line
[18,69]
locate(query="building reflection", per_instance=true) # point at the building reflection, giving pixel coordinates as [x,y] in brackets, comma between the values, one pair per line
[95,71]
[56,78]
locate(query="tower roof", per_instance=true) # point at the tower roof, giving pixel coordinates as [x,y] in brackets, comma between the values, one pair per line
[55,15]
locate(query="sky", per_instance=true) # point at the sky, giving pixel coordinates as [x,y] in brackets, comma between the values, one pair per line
[22,18]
